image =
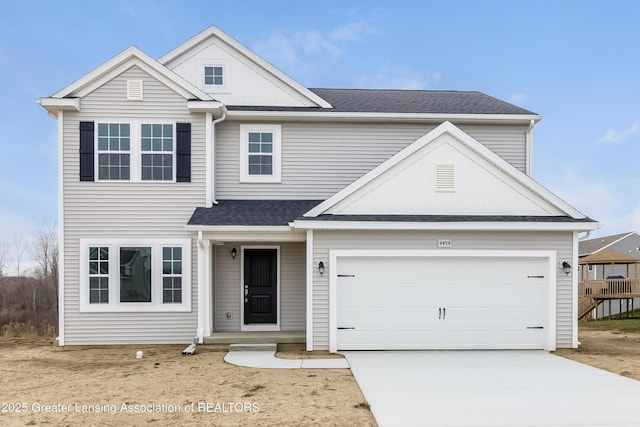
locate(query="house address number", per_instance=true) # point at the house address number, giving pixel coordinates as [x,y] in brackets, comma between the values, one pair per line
[444,243]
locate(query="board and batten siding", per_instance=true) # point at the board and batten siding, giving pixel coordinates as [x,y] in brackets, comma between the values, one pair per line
[319,159]
[324,241]
[145,210]
[227,289]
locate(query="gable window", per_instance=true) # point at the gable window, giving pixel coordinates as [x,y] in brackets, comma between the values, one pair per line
[157,152]
[213,76]
[135,275]
[114,145]
[260,153]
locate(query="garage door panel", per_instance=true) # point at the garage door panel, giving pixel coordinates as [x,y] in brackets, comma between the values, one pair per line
[395,302]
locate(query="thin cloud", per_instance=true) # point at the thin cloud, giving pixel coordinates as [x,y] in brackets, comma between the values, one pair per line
[519,98]
[615,136]
[352,32]
[398,78]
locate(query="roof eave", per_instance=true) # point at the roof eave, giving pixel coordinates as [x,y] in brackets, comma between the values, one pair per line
[451,226]
[326,114]
[54,105]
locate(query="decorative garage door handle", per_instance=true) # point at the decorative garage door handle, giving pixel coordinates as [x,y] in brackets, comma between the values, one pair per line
[442,313]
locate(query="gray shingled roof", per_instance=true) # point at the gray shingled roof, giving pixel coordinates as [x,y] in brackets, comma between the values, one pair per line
[282,212]
[403,101]
[587,247]
[252,212]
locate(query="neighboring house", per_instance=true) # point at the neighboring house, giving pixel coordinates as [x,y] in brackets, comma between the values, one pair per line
[627,243]
[208,192]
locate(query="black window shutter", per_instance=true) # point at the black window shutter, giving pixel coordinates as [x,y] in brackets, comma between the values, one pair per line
[86,151]
[183,152]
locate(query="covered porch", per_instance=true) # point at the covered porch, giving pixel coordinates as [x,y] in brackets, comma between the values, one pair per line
[253,269]
[593,293]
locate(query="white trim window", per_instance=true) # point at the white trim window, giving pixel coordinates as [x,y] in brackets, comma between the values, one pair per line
[213,75]
[114,147]
[157,151]
[260,153]
[135,275]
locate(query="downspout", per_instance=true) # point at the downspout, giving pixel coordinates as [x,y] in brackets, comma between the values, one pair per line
[529,148]
[200,330]
[213,154]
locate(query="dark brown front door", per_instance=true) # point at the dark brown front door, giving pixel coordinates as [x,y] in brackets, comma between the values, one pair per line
[260,286]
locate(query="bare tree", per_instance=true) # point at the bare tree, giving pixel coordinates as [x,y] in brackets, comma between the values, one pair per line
[45,255]
[4,255]
[19,249]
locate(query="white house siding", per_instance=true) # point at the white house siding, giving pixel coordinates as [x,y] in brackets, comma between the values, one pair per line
[227,288]
[474,240]
[128,210]
[319,159]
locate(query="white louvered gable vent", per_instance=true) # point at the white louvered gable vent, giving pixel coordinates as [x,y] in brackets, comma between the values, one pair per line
[134,90]
[445,179]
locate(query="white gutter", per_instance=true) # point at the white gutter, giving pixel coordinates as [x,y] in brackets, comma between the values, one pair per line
[213,154]
[529,148]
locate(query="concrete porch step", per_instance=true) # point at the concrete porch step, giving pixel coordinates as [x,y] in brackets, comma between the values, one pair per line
[256,337]
[271,347]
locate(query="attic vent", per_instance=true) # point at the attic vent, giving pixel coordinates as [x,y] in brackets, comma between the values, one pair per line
[445,179]
[134,90]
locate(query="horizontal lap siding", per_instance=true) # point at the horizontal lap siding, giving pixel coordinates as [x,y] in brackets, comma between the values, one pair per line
[319,159]
[323,241]
[227,290]
[128,210]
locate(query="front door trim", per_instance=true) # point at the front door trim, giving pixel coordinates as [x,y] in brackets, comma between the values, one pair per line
[259,326]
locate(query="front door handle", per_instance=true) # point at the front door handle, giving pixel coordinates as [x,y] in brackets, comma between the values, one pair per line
[246,293]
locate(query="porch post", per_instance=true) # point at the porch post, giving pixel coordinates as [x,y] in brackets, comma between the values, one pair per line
[309,325]
[204,289]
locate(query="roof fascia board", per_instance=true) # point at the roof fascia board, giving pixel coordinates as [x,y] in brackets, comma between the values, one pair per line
[462,226]
[215,31]
[240,228]
[447,127]
[123,61]
[205,106]
[408,117]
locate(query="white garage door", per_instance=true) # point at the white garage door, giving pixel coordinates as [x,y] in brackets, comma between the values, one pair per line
[389,303]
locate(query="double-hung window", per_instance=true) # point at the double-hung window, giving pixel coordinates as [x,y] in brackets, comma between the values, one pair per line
[260,153]
[136,151]
[135,275]
[157,152]
[114,145]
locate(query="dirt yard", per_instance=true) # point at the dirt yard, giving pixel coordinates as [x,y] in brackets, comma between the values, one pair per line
[41,383]
[617,352]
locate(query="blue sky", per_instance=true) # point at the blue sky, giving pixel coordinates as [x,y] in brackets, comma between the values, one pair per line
[574,62]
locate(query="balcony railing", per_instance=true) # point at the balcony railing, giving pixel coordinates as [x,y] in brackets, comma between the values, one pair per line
[609,288]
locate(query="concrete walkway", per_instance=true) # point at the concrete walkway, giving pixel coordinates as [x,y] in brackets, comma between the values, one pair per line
[491,388]
[264,356]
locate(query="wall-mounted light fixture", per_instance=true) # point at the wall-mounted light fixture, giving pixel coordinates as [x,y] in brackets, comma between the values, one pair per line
[566,267]
[321,267]
[234,253]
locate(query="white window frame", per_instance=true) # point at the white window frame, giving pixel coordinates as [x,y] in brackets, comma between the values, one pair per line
[135,150]
[97,151]
[276,175]
[213,85]
[156,304]
[173,151]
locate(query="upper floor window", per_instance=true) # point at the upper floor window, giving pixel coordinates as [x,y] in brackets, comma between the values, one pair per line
[260,153]
[157,152]
[114,158]
[213,76]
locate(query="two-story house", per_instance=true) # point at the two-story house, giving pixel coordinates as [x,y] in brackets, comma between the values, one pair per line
[207,192]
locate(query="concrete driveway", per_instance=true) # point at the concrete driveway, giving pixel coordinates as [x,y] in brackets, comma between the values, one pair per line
[491,388]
